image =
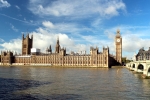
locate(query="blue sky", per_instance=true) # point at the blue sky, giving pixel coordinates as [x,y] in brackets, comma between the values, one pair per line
[78,23]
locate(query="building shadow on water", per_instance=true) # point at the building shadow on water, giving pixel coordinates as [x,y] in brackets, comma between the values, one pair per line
[8,86]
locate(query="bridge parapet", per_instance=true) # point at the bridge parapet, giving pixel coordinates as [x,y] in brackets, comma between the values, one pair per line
[140,66]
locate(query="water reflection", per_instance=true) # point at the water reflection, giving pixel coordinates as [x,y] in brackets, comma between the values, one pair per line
[9,86]
[71,83]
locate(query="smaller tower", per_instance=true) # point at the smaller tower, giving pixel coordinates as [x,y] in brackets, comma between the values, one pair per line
[57,49]
[47,50]
[27,44]
[50,49]
[6,57]
[94,53]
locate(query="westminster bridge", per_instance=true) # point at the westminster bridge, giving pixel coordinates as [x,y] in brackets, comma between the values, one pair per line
[140,67]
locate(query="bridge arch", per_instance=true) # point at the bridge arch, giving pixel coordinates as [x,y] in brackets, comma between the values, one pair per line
[140,67]
[133,66]
[148,71]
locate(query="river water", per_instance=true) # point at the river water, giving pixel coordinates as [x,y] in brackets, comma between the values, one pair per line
[45,83]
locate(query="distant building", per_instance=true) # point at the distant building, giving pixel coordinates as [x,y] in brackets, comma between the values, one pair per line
[143,55]
[35,51]
[134,57]
[33,56]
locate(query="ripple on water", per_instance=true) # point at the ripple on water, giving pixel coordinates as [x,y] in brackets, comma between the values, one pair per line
[72,83]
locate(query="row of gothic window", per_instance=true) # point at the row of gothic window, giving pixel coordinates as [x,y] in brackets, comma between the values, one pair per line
[77,62]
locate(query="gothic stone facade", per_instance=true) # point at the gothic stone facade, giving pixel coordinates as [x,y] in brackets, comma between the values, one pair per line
[27,44]
[60,58]
[143,54]
[63,59]
[6,57]
[118,47]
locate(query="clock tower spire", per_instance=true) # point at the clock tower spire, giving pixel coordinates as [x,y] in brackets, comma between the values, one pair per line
[118,41]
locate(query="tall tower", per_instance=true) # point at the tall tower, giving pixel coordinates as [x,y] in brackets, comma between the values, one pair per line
[118,41]
[57,49]
[27,44]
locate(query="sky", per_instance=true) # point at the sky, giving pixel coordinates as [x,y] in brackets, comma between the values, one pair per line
[79,24]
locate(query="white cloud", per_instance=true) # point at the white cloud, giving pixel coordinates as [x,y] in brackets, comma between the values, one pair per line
[4,3]
[24,19]
[15,18]
[1,40]
[133,39]
[17,7]
[42,40]
[43,37]
[31,21]
[113,7]
[111,10]
[48,24]
[13,28]
[19,15]
[71,28]
[96,23]
[13,45]
[132,43]
[75,8]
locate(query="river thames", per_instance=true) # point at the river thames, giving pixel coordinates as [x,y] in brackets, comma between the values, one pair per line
[45,83]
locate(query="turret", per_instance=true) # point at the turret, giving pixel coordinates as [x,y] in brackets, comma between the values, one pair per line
[32,36]
[47,50]
[27,36]
[22,36]
[118,33]
[94,50]
[50,49]
[57,49]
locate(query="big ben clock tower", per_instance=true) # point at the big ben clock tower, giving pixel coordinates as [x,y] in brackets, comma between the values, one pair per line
[118,41]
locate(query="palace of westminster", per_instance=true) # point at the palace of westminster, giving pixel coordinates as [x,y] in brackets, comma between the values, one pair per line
[33,56]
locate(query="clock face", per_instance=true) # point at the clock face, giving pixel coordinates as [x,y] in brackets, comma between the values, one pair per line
[118,40]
